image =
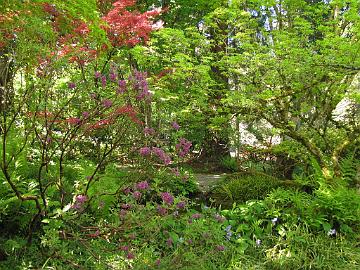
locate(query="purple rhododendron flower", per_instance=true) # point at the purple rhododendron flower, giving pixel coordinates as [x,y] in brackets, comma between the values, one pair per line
[142,185]
[97,74]
[181,205]
[145,151]
[141,85]
[130,256]
[112,76]
[167,198]
[107,103]
[126,206]
[48,139]
[169,242]
[85,114]
[161,155]
[122,87]
[122,213]
[127,191]
[175,125]
[93,95]
[162,210]
[183,147]
[79,202]
[219,218]
[196,216]
[81,198]
[136,195]
[220,248]
[148,131]
[103,81]
[71,85]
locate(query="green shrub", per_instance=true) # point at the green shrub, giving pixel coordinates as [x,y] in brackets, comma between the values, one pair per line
[229,164]
[242,187]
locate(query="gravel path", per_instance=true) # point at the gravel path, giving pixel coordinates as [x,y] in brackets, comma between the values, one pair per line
[206,181]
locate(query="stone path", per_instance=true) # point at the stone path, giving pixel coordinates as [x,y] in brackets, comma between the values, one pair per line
[206,181]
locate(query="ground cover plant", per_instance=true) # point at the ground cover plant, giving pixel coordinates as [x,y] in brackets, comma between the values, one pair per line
[112,109]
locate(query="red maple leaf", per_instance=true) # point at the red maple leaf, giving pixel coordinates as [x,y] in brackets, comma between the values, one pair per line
[126,27]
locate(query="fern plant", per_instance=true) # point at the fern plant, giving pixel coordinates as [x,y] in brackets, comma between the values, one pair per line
[350,168]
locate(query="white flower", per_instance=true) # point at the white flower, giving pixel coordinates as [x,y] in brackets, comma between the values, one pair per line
[331,232]
[274,220]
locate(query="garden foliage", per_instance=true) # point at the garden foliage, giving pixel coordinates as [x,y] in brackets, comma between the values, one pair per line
[102,102]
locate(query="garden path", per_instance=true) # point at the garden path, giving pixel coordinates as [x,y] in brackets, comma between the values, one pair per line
[206,181]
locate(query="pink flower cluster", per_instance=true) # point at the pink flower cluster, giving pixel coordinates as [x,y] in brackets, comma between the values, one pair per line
[146,151]
[141,85]
[107,103]
[144,185]
[137,195]
[122,87]
[162,210]
[167,198]
[161,155]
[149,131]
[181,205]
[175,125]
[79,202]
[183,147]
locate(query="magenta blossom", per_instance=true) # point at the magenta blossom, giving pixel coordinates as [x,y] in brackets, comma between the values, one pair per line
[145,151]
[196,216]
[149,131]
[220,248]
[81,198]
[85,114]
[183,147]
[136,195]
[126,206]
[122,213]
[142,185]
[162,210]
[167,198]
[107,103]
[71,85]
[219,218]
[181,205]
[97,74]
[122,87]
[175,125]
[103,81]
[169,242]
[79,202]
[113,76]
[161,155]
[130,256]
[124,248]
